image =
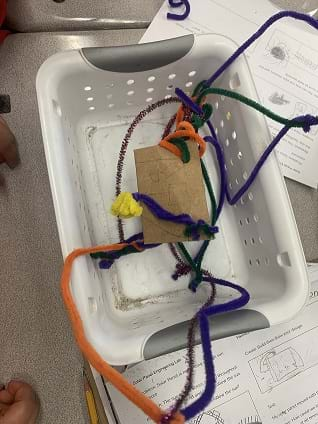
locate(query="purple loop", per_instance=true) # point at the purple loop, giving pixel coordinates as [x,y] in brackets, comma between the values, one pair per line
[179,3]
[106,263]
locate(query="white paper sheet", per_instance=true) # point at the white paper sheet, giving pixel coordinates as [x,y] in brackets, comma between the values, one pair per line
[284,63]
[268,376]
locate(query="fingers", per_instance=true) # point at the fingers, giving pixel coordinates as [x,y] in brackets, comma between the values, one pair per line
[21,391]
[3,410]
[8,149]
[11,155]
[6,397]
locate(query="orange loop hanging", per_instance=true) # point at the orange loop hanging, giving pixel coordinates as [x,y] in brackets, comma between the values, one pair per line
[151,409]
[184,129]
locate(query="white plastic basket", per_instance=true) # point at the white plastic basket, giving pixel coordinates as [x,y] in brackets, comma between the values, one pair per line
[87,99]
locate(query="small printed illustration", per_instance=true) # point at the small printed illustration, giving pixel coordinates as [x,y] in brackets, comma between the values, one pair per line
[278,99]
[281,364]
[277,52]
[238,410]
[276,366]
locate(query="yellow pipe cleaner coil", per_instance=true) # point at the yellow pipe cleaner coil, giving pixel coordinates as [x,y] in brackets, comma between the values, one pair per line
[125,206]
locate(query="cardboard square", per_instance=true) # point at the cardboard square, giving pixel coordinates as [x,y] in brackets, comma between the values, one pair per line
[176,186]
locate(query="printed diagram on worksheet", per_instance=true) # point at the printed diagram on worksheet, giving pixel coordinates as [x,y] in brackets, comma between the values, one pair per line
[238,410]
[282,50]
[286,361]
[283,61]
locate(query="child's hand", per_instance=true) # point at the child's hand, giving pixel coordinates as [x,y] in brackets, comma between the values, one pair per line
[8,148]
[18,404]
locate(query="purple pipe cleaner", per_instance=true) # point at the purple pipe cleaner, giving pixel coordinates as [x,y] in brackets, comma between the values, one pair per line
[202,402]
[307,120]
[179,3]
[183,218]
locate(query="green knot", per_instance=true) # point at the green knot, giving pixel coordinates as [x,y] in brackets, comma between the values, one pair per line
[199,120]
[182,146]
[193,231]
[194,284]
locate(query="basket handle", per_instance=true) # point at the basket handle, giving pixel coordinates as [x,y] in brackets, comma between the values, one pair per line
[139,57]
[222,325]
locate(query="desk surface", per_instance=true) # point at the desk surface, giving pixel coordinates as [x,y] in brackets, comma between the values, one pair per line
[80,15]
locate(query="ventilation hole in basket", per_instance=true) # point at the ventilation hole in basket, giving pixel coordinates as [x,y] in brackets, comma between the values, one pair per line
[57,108]
[283,259]
[256,218]
[168,96]
[216,105]
[216,131]
[69,140]
[241,222]
[149,99]
[111,105]
[189,84]
[150,90]
[130,93]
[227,142]
[260,240]
[88,88]
[109,96]
[266,261]
[247,220]
[245,176]
[151,78]
[258,262]
[245,242]
[172,76]
[234,135]
[252,240]
[130,82]
[235,82]
[90,99]
[228,116]
[250,196]
[91,108]
[237,181]
[222,123]
[92,305]
[231,162]
[250,262]
[242,201]
[230,185]
[169,87]
[225,167]
[239,155]
[192,73]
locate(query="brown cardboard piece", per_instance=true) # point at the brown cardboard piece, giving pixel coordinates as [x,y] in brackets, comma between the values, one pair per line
[176,186]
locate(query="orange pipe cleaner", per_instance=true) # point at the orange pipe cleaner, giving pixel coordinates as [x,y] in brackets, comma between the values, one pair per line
[118,380]
[184,129]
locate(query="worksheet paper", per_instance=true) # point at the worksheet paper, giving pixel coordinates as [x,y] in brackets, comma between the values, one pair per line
[284,65]
[268,376]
